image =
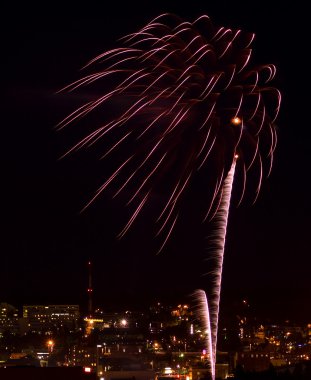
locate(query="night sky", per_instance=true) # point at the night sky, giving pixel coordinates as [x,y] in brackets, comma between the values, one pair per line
[46,241]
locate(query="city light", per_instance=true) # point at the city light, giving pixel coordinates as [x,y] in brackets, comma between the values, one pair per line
[50,344]
[168,371]
[124,322]
[286,344]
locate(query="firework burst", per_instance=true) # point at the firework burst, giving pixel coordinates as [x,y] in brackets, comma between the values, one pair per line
[180,98]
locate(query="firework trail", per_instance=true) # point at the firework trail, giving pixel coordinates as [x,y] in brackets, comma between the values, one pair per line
[204,315]
[217,248]
[209,312]
[182,100]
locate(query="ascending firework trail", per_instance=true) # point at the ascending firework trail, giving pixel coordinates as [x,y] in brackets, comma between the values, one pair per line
[180,100]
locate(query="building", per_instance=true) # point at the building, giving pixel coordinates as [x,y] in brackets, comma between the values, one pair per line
[253,361]
[8,319]
[51,318]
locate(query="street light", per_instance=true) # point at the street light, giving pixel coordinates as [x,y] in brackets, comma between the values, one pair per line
[50,344]
[124,322]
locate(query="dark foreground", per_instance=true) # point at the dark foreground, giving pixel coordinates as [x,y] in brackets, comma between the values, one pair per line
[45,373]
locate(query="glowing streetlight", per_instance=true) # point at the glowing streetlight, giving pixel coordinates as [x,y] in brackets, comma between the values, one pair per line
[50,344]
[123,322]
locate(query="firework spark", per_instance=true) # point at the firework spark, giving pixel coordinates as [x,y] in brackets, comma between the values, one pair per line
[188,102]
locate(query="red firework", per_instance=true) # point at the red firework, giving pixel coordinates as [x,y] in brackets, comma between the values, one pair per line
[182,98]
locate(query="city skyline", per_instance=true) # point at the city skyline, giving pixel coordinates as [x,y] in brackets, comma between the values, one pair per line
[47,242]
[59,336]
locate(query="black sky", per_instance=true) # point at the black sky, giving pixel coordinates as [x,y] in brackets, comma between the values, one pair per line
[46,242]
